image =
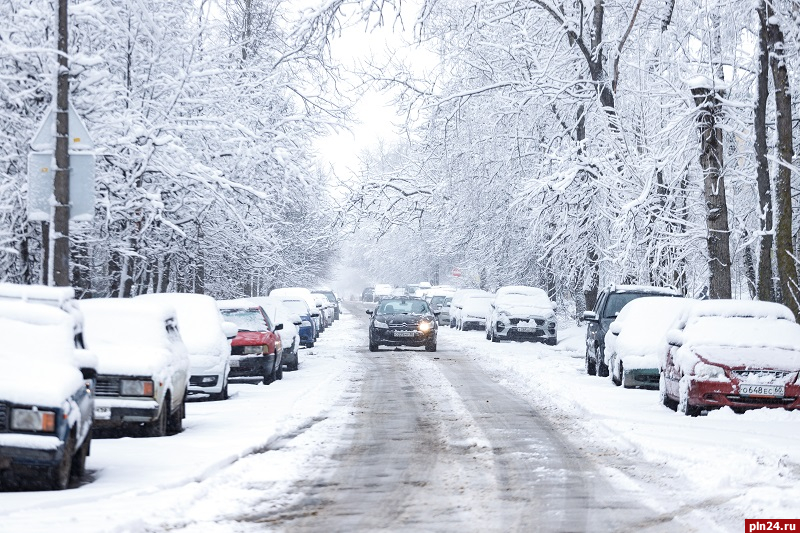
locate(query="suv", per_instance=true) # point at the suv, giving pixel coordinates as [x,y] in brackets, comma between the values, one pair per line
[46,402]
[610,302]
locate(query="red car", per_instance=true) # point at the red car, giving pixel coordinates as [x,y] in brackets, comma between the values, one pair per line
[734,353]
[256,349]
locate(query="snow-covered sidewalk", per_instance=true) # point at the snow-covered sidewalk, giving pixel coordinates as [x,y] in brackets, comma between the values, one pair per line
[748,465]
[134,479]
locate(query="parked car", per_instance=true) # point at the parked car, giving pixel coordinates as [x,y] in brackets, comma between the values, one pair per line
[455,303]
[333,299]
[402,322]
[734,353]
[307,327]
[610,302]
[522,313]
[279,314]
[301,293]
[325,307]
[142,368]
[474,310]
[46,403]
[441,304]
[207,339]
[382,290]
[256,349]
[368,295]
[635,340]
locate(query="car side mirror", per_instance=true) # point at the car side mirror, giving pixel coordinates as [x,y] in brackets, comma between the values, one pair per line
[369,311]
[615,328]
[298,323]
[590,316]
[230,329]
[315,315]
[675,338]
[278,327]
[437,313]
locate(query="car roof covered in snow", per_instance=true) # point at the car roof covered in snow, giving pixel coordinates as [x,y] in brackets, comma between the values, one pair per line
[739,308]
[644,288]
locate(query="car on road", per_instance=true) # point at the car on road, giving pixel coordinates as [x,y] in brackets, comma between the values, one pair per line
[289,333]
[636,338]
[732,353]
[46,402]
[207,339]
[402,322]
[522,313]
[256,349]
[368,295]
[455,303]
[610,302]
[142,366]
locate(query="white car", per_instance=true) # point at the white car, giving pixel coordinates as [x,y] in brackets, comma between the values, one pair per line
[455,303]
[522,313]
[207,339]
[382,290]
[325,306]
[143,366]
[290,334]
[301,293]
[475,309]
[636,338]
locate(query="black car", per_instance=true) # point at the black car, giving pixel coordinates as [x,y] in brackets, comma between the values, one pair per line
[610,302]
[402,321]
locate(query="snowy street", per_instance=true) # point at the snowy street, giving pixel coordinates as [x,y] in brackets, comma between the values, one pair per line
[475,436]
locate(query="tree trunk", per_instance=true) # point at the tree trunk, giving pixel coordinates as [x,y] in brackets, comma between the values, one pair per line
[787,267]
[764,276]
[711,159]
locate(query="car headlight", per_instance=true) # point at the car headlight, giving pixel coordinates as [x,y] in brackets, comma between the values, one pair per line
[425,326]
[379,324]
[33,420]
[708,371]
[136,387]
[252,350]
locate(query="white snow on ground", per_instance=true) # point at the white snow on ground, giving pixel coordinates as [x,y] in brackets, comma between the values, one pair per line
[748,465]
[144,481]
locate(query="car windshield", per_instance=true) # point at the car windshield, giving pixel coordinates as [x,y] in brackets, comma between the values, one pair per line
[402,306]
[296,306]
[438,300]
[617,301]
[245,319]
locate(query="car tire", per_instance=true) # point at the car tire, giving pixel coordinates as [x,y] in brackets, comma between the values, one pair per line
[223,394]
[616,377]
[175,420]
[684,407]
[591,369]
[551,341]
[602,367]
[373,346]
[430,347]
[279,370]
[310,344]
[59,475]
[494,337]
[295,363]
[78,468]
[662,393]
[158,427]
[488,337]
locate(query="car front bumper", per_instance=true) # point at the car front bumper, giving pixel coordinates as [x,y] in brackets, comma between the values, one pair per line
[716,394]
[640,378]
[25,450]
[528,333]
[251,365]
[116,412]
[389,337]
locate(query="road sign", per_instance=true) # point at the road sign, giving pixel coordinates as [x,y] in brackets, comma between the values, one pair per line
[456,272]
[45,138]
[41,172]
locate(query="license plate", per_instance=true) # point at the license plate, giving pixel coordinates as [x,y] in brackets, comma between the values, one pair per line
[403,333]
[770,391]
[234,363]
[526,330]
[102,413]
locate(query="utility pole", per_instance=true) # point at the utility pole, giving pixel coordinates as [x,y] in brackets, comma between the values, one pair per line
[59,236]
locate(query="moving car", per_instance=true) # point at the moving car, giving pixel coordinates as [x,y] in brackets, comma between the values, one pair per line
[142,368]
[402,322]
[206,336]
[455,303]
[610,301]
[46,403]
[474,310]
[635,340]
[734,353]
[256,349]
[368,295]
[289,333]
[522,313]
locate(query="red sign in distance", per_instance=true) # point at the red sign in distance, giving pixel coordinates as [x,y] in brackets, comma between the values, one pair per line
[456,272]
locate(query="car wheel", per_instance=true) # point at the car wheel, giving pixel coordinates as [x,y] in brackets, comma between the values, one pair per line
[79,459]
[373,346]
[662,393]
[494,337]
[430,347]
[591,369]
[295,363]
[59,474]
[616,372]
[175,421]
[488,336]
[223,394]
[452,323]
[310,344]
[683,403]
[279,371]
[158,427]
[552,341]
[602,367]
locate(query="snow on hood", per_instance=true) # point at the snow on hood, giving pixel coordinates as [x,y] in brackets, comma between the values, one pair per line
[36,331]
[131,359]
[524,305]
[43,383]
[481,307]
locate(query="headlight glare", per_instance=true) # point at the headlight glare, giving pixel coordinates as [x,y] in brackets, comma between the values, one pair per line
[33,420]
[425,326]
[136,387]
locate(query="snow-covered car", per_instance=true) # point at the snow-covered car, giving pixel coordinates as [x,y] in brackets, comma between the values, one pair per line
[441,304]
[455,303]
[402,322]
[142,366]
[522,313]
[382,290]
[256,349]
[368,295]
[609,303]
[474,310]
[301,293]
[306,329]
[333,299]
[734,353]
[46,403]
[636,339]
[280,314]
[206,336]
[325,307]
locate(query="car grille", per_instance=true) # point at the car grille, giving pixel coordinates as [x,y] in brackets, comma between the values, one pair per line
[107,386]
[3,417]
[403,327]
[515,321]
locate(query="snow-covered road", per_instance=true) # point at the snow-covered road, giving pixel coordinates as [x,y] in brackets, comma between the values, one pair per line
[476,436]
